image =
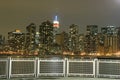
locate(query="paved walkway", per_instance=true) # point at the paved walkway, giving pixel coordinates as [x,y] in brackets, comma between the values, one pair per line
[66,78]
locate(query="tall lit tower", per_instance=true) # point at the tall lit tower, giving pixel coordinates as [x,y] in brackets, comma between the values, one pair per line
[55,27]
[56,22]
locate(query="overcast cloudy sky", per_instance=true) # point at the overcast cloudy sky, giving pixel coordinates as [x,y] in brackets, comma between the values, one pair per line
[17,14]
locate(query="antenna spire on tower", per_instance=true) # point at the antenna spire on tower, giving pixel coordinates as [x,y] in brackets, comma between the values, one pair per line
[56,18]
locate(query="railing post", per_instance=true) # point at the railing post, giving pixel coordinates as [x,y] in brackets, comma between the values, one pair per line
[9,67]
[37,66]
[95,67]
[65,67]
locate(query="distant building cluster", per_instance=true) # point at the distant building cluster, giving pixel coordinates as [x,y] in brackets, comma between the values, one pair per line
[47,41]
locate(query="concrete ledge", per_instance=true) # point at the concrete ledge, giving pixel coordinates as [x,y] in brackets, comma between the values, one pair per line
[60,78]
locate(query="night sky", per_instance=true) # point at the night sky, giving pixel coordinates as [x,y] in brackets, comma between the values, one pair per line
[17,14]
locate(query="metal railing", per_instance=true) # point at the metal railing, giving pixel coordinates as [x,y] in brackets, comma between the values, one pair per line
[81,68]
[3,67]
[22,67]
[36,67]
[51,67]
[108,68]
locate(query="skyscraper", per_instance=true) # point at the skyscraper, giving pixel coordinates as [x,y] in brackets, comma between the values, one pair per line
[46,34]
[16,40]
[109,39]
[2,42]
[81,43]
[55,27]
[30,36]
[91,39]
[56,22]
[118,38]
[73,37]
[92,29]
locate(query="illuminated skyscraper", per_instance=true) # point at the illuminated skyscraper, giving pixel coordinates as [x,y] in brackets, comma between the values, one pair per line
[91,39]
[109,39]
[2,42]
[118,38]
[92,29]
[73,37]
[30,36]
[81,43]
[46,34]
[55,27]
[16,40]
[56,22]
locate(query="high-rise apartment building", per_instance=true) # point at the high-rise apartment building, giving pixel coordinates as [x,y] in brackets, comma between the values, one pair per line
[62,40]
[91,39]
[92,29]
[118,38]
[81,44]
[110,39]
[16,40]
[46,34]
[73,38]
[30,36]
[2,42]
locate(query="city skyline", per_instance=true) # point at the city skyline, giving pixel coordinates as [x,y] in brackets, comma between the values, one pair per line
[18,14]
[48,41]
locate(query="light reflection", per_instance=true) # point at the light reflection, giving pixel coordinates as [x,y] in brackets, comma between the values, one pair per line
[83,53]
[117,54]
